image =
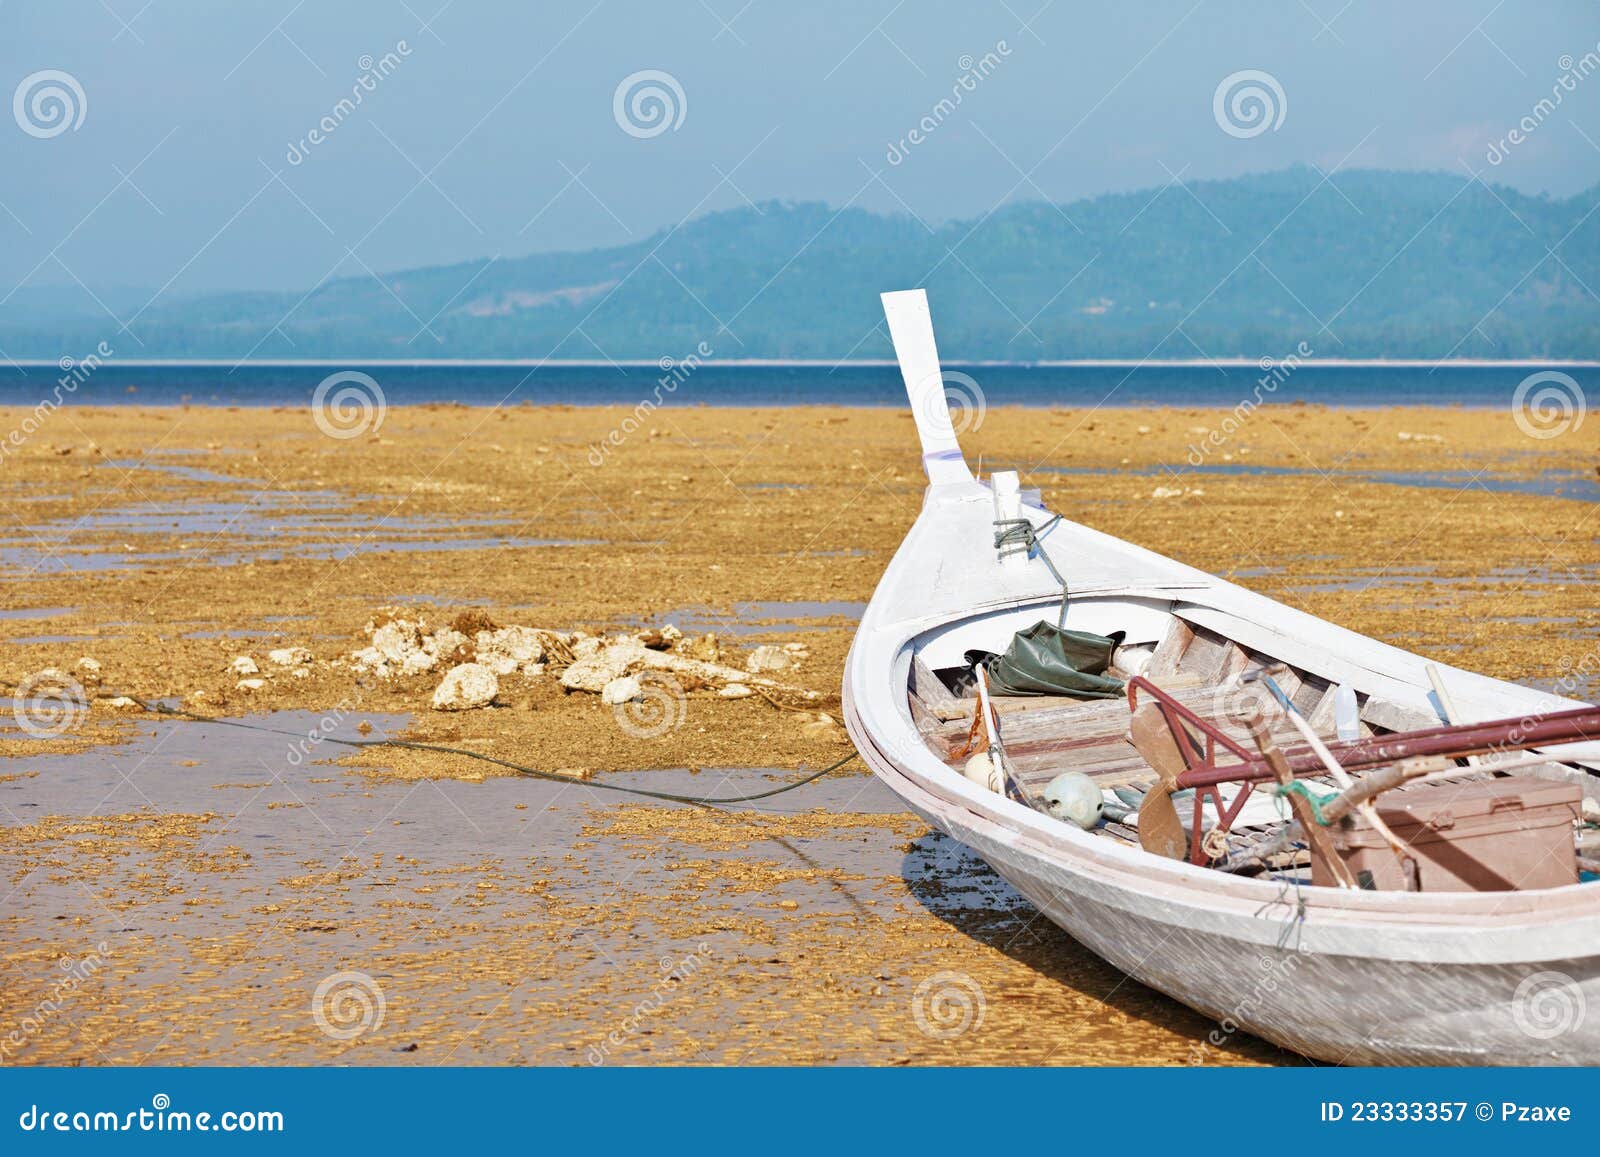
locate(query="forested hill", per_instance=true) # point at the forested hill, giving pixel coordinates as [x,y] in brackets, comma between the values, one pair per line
[1367,264]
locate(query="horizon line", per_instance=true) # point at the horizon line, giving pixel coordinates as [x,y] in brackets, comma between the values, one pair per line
[781,363]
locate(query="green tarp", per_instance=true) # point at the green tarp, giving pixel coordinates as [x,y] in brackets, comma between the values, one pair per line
[1047,660]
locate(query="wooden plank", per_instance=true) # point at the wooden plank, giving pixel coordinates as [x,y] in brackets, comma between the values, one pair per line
[1290,679]
[928,687]
[1391,716]
[1312,688]
[1169,652]
[1206,655]
[1236,660]
[1321,714]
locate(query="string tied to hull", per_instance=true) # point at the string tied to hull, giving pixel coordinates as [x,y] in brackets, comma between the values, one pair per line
[1018,536]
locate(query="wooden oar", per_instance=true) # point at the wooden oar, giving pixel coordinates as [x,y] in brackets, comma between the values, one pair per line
[1160,830]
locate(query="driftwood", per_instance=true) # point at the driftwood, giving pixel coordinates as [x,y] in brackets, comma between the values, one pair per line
[1377,782]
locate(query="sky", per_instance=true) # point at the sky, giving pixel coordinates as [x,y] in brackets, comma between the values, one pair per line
[186,163]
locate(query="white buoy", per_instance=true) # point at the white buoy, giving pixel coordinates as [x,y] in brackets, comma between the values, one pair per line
[981,770]
[1074,798]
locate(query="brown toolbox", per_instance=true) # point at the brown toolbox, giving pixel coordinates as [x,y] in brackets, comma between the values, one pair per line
[1493,835]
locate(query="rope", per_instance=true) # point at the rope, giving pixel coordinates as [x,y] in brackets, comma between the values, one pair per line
[1298,787]
[1017,535]
[520,769]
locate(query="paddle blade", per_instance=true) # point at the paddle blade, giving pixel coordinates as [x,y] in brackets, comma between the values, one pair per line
[1160,830]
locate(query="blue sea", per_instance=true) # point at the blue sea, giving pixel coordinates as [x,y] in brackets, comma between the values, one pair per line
[853,384]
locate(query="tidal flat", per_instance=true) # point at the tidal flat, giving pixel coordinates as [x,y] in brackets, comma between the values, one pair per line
[185,892]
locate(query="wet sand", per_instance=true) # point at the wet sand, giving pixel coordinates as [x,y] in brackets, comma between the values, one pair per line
[177,892]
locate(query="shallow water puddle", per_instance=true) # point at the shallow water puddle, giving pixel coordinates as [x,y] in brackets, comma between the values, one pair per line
[218,867]
[260,524]
[1580,487]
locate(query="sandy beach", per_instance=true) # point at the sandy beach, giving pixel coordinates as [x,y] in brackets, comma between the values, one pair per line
[185,892]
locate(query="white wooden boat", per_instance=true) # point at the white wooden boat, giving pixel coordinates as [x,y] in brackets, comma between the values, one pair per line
[1343,975]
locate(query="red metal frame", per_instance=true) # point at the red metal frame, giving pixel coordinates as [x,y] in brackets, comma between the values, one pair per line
[1205,775]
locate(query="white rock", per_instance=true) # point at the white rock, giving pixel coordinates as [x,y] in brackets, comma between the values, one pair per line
[499,664]
[92,666]
[623,690]
[465,687]
[290,656]
[396,639]
[369,659]
[532,670]
[519,644]
[417,662]
[1167,492]
[593,671]
[244,665]
[122,703]
[251,684]
[444,643]
[768,658]
[735,691]
[671,634]
[301,672]
[585,646]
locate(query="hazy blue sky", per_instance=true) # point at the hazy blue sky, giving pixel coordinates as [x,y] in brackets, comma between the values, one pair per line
[496,134]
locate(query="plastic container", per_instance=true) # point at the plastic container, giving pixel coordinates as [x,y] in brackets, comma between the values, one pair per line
[1495,835]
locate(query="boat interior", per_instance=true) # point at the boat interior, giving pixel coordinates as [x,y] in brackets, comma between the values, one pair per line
[1046,735]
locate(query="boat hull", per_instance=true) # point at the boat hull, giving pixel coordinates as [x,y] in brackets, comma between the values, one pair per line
[1338,1007]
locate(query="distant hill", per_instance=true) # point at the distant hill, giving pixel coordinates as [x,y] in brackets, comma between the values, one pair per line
[1395,264]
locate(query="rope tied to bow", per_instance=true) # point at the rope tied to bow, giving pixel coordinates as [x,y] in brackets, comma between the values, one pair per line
[1013,536]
